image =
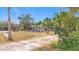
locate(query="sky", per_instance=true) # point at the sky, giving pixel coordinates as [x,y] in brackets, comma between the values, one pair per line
[38,13]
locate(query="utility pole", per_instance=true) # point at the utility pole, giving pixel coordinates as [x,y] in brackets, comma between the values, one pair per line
[9,25]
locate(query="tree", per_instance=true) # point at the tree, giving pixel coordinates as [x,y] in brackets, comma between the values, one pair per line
[1,25]
[67,27]
[46,23]
[64,24]
[25,21]
[9,25]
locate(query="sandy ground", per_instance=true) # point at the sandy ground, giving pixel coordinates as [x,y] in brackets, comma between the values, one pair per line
[22,35]
[29,45]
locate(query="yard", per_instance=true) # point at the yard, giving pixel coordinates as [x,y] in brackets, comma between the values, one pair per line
[22,35]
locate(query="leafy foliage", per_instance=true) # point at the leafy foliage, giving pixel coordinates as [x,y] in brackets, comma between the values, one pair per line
[25,21]
[71,43]
[66,25]
[47,23]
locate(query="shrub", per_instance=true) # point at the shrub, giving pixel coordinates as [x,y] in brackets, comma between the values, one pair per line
[71,43]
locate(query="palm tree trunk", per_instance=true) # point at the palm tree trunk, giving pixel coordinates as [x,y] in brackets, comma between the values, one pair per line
[9,25]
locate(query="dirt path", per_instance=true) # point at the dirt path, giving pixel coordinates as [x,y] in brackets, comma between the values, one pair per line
[28,45]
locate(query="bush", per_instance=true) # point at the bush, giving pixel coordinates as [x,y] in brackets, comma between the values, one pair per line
[71,43]
[74,34]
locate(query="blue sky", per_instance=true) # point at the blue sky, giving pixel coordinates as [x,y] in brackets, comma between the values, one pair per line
[38,13]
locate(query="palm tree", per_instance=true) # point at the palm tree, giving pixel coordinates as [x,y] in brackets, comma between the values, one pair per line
[9,25]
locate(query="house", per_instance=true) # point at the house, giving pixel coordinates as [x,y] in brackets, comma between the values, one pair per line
[36,29]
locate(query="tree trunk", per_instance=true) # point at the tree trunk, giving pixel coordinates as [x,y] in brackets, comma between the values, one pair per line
[47,30]
[9,25]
